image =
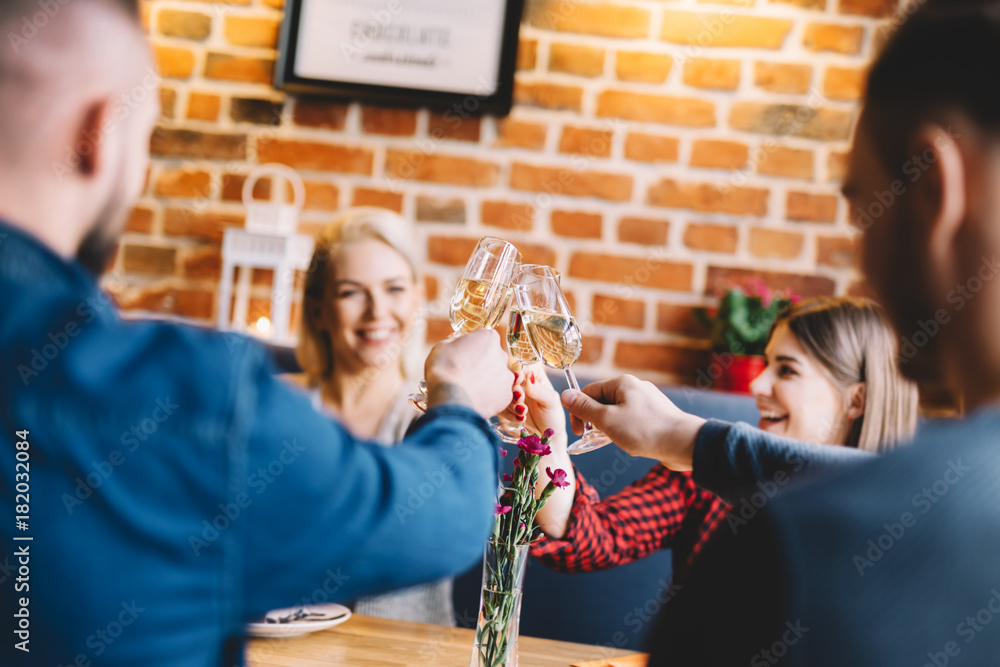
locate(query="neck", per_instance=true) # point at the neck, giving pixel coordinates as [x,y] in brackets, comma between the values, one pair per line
[367,386]
[48,217]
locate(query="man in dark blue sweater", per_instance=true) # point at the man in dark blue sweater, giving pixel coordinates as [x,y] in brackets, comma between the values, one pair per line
[158,487]
[894,560]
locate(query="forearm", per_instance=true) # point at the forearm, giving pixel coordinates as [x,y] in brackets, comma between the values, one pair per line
[731,460]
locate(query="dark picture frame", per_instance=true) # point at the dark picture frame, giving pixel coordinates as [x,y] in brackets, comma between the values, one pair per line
[374,54]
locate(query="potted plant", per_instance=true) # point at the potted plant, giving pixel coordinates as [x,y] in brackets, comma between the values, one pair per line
[739,329]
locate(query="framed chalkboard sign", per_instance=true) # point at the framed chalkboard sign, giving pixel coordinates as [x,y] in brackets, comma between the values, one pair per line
[434,53]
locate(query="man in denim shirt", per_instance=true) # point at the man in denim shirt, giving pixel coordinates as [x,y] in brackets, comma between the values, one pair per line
[167,489]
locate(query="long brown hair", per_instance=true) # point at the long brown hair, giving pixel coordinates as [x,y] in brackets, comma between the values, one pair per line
[853,342]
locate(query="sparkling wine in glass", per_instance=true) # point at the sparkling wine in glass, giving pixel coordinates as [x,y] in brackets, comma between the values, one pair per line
[518,341]
[481,295]
[555,337]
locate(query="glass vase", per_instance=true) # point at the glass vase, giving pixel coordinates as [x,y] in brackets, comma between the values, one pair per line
[500,606]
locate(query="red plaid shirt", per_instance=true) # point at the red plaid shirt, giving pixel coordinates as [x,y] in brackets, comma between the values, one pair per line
[663,510]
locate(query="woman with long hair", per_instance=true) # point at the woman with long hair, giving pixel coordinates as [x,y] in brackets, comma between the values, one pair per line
[831,378]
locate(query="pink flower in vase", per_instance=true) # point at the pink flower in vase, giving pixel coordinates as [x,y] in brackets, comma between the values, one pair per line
[503,452]
[501,509]
[532,444]
[558,477]
[507,478]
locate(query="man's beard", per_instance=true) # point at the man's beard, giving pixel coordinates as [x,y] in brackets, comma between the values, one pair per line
[98,246]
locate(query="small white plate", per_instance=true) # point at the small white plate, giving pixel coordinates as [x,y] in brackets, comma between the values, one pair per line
[332,614]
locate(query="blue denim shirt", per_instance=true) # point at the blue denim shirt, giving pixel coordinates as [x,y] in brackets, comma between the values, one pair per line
[174,490]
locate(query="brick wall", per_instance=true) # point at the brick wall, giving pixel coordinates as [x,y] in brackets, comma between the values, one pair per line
[655,150]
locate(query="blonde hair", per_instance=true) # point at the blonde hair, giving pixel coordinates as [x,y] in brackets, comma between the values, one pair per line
[362,223]
[853,342]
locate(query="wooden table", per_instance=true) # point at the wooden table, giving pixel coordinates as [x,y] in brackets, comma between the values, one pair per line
[365,641]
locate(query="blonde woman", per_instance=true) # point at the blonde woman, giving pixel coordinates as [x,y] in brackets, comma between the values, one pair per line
[831,378]
[358,340]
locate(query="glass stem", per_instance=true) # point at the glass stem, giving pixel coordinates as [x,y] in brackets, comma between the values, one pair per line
[573,384]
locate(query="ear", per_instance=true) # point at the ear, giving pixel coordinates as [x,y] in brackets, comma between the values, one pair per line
[940,192]
[856,396]
[92,137]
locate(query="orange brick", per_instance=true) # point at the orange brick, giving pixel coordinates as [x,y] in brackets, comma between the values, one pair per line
[320,114]
[713,74]
[835,251]
[140,220]
[252,31]
[576,59]
[576,224]
[651,148]
[643,231]
[321,196]
[451,125]
[807,207]
[564,181]
[378,198]
[805,4]
[596,18]
[713,238]
[527,54]
[203,106]
[198,145]
[208,226]
[787,119]
[239,68]
[430,288]
[586,141]
[680,362]
[508,215]
[389,121]
[259,111]
[615,312]
[174,63]
[875,8]
[232,188]
[836,166]
[709,29]
[593,348]
[709,198]
[532,253]
[720,277]
[450,250]
[686,111]
[782,78]
[440,209]
[775,244]
[520,134]
[185,25]
[193,303]
[642,67]
[168,102]
[150,260]
[183,183]
[679,320]
[313,155]
[548,95]
[787,162]
[844,83]
[641,272]
[418,166]
[715,154]
[202,263]
[836,38]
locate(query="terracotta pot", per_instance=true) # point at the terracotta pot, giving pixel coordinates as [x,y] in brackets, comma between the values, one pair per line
[740,373]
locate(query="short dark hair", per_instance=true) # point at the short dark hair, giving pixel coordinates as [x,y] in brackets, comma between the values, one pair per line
[945,56]
[17,10]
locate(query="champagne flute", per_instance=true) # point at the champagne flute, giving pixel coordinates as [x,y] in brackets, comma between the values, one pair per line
[555,337]
[481,295]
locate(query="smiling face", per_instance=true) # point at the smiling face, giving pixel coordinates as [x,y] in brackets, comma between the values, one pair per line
[368,306]
[796,399]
